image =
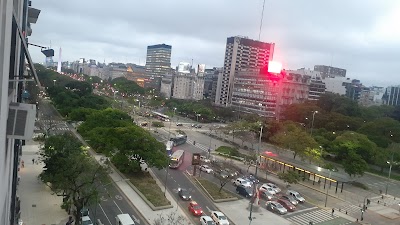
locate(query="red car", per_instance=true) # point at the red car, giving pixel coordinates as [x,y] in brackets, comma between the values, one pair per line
[195,209]
[285,203]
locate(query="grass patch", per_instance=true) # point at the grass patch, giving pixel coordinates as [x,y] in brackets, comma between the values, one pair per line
[213,190]
[149,188]
[384,174]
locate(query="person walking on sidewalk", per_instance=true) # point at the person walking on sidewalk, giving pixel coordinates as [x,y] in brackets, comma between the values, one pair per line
[33,161]
[333,211]
[22,164]
[70,221]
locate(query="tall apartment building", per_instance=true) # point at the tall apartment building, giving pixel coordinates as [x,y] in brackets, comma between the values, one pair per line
[392,96]
[316,86]
[158,63]
[264,94]
[329,71]
[210,82]
[240,53]
[189,85]
[16,118]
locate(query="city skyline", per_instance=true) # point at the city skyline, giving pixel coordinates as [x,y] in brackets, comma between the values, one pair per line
[359,37]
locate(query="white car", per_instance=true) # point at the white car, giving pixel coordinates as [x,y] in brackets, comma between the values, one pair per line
[296,195]
[242,182]
[219,218]
[273,186]
[268,189]
[204,159]
[206,220]
[206,169]
[86,220]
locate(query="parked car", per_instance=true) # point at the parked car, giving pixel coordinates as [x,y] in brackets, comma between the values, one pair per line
[285,203]
[252,179]
[197,126]
[219,218]
[206,220]
[206,169]
[144,124]
[275,207]
[245,191]
[266,195]
[195,209]
[242,182]
[296,195]
[231,173]
[290,198]
[268,189]
[204,159]
[221,173]
[273,186]
[184,194]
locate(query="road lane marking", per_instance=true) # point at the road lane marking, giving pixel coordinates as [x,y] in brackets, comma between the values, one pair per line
[118,197]
[136,219]
[105,214]
[118,207]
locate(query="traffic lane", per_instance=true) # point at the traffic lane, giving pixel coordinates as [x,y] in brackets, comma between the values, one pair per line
[111,203]
[176,179]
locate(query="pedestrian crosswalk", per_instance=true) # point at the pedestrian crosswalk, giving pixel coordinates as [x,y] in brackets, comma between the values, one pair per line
[353,210]
[316,216]
[198,145]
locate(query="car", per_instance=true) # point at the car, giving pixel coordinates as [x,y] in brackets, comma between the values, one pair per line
[266,195]
[204,159]
[268,189]
[252,179]
[285,203]
[85,220]
[245,191]
[231,173]
[144,124]
[179,124]
[84,211]
[296,195]
[275,207]
[206,169]
[290,198]
[193,125]
[206,220]
[184,194]
[219,218]
[242,182]
[197,126]
[195,209]
[273,186]
[221,173]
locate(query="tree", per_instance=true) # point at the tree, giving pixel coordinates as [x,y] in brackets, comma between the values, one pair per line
[354,164]
[290,177]
[70,172]
[312,154]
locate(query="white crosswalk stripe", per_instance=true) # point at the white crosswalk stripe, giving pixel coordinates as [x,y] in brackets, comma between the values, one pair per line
[351,209]
[201,146]
[317,216]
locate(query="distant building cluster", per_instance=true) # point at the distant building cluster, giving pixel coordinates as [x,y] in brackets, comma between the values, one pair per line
[243,82]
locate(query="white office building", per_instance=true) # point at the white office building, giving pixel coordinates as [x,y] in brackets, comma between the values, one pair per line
[188,84]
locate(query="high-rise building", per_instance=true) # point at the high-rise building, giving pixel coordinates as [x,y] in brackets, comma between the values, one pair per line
[257,91]
[392,96]
[210,82]
[316,86]
[329,71]
[187,84]
[240,53]
[158,63]
[16,118]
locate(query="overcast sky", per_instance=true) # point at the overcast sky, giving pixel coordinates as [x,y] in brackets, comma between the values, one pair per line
[362,36]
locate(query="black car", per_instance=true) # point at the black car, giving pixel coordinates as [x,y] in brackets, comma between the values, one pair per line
[252,179]
[245,191]
[184,194]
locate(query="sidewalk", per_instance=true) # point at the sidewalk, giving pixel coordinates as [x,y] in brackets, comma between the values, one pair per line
[38,204]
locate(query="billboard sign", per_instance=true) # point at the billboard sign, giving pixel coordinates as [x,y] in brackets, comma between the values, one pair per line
[201,68]
[196,159]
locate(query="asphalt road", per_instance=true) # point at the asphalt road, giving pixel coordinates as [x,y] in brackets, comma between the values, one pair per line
[111,203]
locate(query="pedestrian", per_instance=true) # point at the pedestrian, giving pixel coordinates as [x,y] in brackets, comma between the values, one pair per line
[333,211]
[33,161]
[368,201]
[70,221]
[22,164]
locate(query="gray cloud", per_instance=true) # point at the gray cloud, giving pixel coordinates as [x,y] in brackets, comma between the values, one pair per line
[342,33]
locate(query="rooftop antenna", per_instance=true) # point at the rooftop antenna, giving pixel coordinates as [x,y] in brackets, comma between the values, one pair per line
[262,16]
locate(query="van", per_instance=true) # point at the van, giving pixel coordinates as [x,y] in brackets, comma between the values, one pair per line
[124,219]
[244,191]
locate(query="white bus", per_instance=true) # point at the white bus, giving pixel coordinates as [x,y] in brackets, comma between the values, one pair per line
[170,146]
[160,116]
[176,159]
[124,219]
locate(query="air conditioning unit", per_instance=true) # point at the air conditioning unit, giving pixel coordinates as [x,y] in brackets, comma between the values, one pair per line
[21,121]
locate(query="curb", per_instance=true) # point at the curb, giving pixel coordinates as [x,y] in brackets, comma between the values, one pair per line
[209,195]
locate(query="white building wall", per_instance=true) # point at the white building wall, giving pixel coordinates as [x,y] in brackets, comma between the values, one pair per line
[335,84]
[166,88]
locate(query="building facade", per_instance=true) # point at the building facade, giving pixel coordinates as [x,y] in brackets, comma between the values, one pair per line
[158,63]
[329,71]
[240,53]
[16,18]
[264,94]
[210,82]
[316,86]
[392,96]
[166,86]
[188,85]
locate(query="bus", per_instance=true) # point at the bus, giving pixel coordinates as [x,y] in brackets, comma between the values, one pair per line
[161,116]
[179,139]
[170,145]
[176,159]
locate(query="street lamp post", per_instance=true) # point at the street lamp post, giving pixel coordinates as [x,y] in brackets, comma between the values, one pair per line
[312,122]
[327,189]
[209,147]
[390,171]
[255,174]
[54,82]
